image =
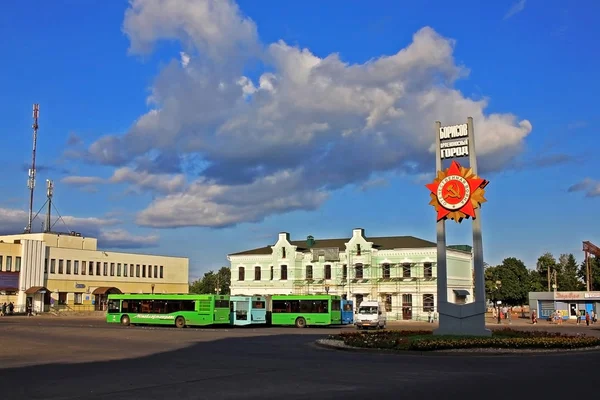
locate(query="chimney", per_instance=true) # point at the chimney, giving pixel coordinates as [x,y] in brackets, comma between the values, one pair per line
[310,241]
[360,232]
[284,236]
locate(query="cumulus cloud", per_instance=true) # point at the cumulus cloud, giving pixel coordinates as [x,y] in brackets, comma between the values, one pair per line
[139,181]
[305,127]
[591,187]
[14,221]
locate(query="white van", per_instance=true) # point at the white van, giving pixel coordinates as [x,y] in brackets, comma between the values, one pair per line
[370,314]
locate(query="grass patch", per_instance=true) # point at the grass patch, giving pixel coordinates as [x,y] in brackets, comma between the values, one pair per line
[501,339]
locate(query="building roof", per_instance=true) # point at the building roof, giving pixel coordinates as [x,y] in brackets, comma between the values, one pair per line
[379,243]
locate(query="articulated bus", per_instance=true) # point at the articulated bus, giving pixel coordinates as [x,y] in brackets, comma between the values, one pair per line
[248,310]
[304,310]
[184,310]
[347,312]
[168,309]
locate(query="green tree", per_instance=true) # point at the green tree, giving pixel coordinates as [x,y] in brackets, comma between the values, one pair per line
[212,281]
[567,277]
[544,263]
[535,282]
[595,265]
[514,279]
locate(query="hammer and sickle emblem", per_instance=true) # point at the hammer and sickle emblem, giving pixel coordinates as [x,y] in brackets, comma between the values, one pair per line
[452,192]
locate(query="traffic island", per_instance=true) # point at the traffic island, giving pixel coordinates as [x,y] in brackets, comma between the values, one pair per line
[502,341]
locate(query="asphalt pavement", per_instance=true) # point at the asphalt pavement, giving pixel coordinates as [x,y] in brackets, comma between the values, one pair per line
[61,358]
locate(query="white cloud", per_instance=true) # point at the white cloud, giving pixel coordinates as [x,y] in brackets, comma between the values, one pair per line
[14,221]
[140,181]
[591,187]
[311,124]
[515,9]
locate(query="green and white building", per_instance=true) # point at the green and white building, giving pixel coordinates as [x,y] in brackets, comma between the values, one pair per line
[399,271]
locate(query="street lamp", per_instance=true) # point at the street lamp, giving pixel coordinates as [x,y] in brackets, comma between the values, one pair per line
[498,286]
[327,289]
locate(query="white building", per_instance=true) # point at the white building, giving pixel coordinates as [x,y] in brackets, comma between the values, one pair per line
[400,271]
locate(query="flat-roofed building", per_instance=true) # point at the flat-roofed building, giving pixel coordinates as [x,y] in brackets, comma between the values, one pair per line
[66,271]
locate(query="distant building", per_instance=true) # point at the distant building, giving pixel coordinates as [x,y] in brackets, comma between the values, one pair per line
[569,305]
[399,271]
[67,271]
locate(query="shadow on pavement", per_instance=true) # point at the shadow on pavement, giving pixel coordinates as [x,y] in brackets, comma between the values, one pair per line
[289,367]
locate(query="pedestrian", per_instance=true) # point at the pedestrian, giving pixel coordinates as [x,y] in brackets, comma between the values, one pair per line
[533,317]
[587,319]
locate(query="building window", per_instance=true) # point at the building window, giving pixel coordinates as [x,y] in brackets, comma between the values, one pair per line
[62,298]
[52,266]
[406,270]
[241,273]
[344,272]
[125,268]
[327,272]
[428,270]
[358,271]
[112,269]
[257,273]
[283,273]
[78,298]
[131,270]
[45,265]
[91,268]
[137,270]
[60,266]
[105,270]
[17,264]
[161,271]
[358,249]
[428,304]
[272,272]
[309,274]
[0,263]
[118,269]
[8,263]
[385,271]
[156,271]
[388,303]
[98,266]
[68,267]
[359,299]
[407,306]
[283,252]
[76,267]
[83,267]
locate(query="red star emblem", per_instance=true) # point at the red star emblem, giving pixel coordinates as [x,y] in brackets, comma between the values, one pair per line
[453,190]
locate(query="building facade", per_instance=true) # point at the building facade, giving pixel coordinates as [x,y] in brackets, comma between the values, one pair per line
[399,271]
[569,305]
[65,271]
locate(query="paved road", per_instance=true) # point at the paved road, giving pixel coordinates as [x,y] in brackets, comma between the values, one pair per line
[75,358]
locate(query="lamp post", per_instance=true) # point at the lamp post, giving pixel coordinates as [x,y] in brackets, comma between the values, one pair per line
[327,289]
[497,287]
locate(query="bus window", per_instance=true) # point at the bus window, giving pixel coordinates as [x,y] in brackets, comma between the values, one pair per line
[347,307]
[258,304]
[222,304]
[336,305]
[114,306]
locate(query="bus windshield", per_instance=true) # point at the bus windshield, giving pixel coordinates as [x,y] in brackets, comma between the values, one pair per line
[114,306]
[367,310]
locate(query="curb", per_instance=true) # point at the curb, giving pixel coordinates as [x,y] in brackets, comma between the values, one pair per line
[473,352]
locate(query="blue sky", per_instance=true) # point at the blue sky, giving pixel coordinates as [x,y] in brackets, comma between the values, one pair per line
[328,131]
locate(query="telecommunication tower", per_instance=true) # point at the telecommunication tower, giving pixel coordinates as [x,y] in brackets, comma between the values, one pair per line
[49,193]
[31,180]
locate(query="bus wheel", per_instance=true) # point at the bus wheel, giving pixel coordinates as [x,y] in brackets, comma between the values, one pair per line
[180,322]
[125,320]
[300,323]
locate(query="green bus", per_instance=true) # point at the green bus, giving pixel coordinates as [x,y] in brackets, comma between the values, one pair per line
[304,310]
[180,310]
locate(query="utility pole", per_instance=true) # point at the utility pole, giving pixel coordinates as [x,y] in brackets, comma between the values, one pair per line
[549,279]
[31,180]
[49,193]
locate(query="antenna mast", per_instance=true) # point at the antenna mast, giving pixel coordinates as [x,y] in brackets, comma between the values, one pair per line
[49,193]
[31,180]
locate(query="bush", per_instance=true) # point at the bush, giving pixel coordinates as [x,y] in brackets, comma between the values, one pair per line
[501,339]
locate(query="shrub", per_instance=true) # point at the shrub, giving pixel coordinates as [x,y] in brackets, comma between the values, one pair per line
[426,341]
